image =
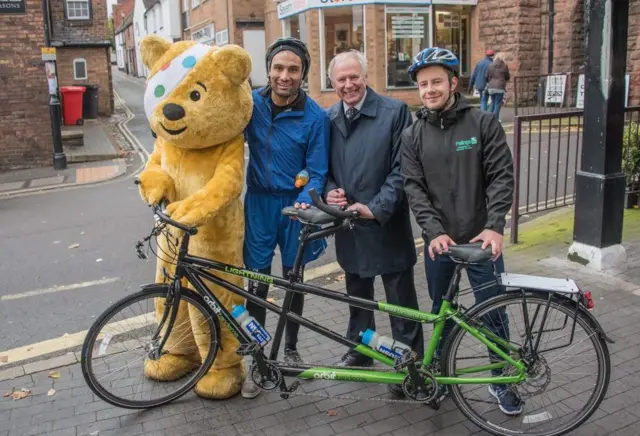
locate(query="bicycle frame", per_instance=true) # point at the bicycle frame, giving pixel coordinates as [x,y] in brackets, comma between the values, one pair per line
[195,270]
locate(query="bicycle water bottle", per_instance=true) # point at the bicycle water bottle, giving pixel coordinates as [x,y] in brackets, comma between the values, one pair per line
[250,325]
[302,178]
[384,344]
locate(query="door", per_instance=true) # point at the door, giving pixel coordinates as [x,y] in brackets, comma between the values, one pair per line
[464,45]
[255,45]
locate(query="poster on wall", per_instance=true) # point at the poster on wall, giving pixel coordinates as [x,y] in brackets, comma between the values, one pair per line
[554,92]
[580,91]
[407,27]
[12,7]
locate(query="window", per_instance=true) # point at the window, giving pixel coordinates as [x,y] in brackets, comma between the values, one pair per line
[296,26]
[343,31]
[137,30]
[452,32]
[78,10]
[80,69]
[222,37]
[195,3]
[185,5]
[408,32]
[160,18]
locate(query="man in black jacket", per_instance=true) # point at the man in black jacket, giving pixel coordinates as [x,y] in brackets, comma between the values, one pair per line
[364,175]
[458,176]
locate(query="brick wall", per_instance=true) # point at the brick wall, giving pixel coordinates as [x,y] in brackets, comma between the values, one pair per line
[633,52]
[273,27]
[25,126]
[95,29]
[211,11]
[124,7]
[98,72]
[245,10]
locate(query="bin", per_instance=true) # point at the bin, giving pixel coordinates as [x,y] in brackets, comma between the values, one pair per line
[90,102]
[72,104]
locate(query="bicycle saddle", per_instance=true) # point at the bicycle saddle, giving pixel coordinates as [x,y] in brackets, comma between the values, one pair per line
[472,253]
[312,215]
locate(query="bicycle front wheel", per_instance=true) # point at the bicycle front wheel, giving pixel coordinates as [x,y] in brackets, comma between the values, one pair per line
[117,359]
[566,378]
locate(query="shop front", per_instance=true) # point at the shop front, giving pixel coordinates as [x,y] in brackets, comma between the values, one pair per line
[389,32]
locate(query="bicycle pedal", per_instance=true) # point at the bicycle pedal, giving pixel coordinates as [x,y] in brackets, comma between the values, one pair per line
[286,390]
[248,349]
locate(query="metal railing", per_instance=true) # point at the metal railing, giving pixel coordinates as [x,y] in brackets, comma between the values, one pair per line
[545,93]
[546,155]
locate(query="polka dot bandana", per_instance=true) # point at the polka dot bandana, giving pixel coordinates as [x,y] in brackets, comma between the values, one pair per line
[170,75]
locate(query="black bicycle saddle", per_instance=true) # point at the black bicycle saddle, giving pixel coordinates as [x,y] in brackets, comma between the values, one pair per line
[472,253]
[312,215]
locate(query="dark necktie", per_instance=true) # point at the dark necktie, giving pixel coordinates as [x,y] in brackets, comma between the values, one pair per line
[351,113]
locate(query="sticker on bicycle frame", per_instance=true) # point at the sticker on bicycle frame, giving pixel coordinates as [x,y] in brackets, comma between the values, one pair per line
[534,419]
[104,344]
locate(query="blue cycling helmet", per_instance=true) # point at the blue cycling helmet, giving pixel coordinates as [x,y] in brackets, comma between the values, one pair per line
[434,56]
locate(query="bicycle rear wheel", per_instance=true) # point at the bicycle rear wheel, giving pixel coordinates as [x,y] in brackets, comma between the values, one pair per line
[563,387]
[117,346]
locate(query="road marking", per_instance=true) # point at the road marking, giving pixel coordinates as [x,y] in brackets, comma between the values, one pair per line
[73,340]
[53,289]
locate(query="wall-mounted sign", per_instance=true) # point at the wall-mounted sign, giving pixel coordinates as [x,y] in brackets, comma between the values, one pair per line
[580,92]
[48,53]
[206,35]
[12,7]
[293,7]
[554,92]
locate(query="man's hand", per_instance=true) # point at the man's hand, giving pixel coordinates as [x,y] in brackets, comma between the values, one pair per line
[337,197]
[493,238]
[364,211]
[439,244]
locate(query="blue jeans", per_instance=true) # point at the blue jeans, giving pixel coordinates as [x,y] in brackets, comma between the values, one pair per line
[484,96]
[496,103]
[439,274]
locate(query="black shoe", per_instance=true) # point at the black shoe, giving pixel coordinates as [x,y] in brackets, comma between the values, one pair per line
[292,357]
[355,359]
[396,390]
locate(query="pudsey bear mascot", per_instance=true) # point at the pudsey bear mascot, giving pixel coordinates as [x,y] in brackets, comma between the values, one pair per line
[198,102]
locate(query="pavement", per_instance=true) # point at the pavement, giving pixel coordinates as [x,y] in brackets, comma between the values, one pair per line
[333,409]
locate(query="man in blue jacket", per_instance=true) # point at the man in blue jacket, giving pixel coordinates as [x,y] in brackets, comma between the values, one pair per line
[288,133]
[479,78]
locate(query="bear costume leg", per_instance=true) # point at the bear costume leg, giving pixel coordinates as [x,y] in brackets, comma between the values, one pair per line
[227,374]
[183,355]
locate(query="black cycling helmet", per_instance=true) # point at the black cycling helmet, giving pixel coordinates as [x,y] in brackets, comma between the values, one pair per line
[293,45]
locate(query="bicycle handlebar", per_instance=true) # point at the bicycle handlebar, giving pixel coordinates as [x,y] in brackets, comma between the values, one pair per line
[157,210]
[317,202]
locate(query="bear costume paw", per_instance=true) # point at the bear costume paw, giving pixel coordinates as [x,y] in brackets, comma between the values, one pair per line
[222,383]
[171,367]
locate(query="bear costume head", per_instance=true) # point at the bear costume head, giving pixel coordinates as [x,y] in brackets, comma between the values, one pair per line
[197,96]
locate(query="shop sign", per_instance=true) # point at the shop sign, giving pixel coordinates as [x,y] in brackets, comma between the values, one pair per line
[204,35]
[12,7]
[581,87]
[293,7]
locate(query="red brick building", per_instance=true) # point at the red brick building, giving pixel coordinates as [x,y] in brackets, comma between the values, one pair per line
[79,31]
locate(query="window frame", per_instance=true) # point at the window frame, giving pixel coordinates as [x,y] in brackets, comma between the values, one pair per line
[386,50]
[89,6]
[86,71]
[323,66]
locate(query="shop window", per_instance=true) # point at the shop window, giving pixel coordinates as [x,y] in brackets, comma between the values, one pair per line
[78,10]
[452,32]
[296,26]
[408,32]
[80,69]
[343,31]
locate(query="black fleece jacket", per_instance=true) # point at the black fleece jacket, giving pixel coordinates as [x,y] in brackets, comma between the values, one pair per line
[457,172]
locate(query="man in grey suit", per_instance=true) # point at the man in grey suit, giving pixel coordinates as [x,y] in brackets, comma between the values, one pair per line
[364,174]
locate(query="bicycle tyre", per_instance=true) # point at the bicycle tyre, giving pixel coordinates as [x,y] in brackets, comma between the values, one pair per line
[90,341]
[583,320]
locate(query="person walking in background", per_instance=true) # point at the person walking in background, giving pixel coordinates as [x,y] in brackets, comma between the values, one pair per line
[478,78]
[497,78]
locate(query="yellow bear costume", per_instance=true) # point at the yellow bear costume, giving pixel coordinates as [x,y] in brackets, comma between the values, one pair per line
[198,101]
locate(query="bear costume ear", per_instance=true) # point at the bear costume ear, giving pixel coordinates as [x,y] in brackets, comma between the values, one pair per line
[152,48]
[234,63]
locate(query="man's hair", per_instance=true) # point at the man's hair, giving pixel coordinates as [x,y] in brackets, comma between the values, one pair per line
[351,54]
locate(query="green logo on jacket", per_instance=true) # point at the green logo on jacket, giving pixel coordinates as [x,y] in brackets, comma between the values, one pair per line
[466,144]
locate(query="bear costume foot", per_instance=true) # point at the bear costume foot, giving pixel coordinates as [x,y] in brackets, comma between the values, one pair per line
[220,384]
[171,367]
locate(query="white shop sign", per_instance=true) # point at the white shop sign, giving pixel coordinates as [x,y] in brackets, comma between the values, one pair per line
[554,92]
[205,35]
[293,7]
[580,91]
